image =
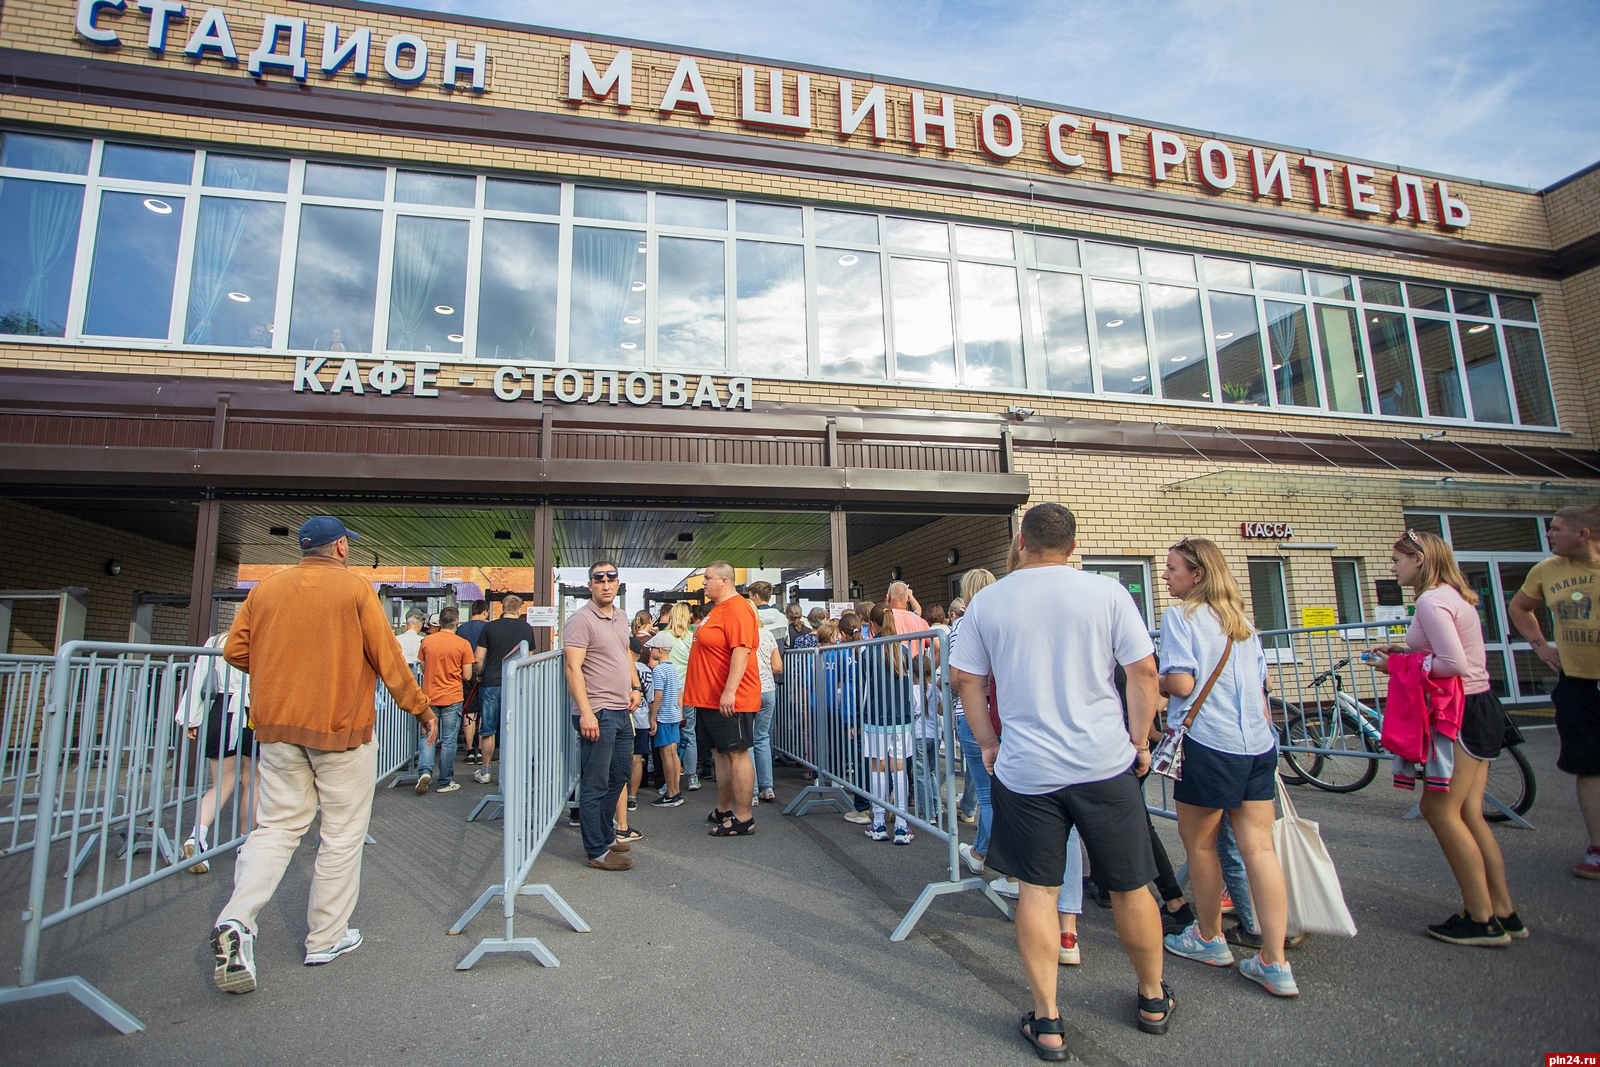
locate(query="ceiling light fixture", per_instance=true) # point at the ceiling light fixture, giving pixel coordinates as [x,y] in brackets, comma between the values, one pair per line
[502,535]
[1179,359]
[1142,378]
[632,320]
[455,338]
[1205,396]
[243,298]
[160,207]
[1112,324]
[1277,366]
[669,556]
[516,553]
[643,248]
[687,537]
[443,309]
[278,531]
[849,261]
[1224,335]
[629,345]
[1075,348]
[1479,328]
[638,287]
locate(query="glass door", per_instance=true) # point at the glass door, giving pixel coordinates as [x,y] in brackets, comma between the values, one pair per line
[1133,575]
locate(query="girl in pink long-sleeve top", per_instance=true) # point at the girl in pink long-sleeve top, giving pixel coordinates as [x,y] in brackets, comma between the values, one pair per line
[1447,627]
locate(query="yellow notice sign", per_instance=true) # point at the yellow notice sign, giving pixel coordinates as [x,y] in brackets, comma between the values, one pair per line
[1319,616]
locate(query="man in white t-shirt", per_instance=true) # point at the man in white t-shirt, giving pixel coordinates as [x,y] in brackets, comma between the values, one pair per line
[411,637]
[1051,637]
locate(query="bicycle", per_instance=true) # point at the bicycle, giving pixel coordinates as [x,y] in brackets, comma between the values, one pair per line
[1355,728]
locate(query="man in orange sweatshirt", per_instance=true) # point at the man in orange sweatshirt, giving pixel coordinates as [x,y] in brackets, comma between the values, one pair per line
[314,641]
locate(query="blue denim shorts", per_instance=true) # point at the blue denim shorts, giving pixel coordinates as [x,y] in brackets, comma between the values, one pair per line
[489,711]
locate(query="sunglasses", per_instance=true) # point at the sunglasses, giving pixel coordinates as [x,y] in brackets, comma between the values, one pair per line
[1183,547]
[603,576]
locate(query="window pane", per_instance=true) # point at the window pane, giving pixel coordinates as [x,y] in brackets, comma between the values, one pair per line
[608,281]
[1060,321]
[1113,259]
[1439,374]
[1119,330]
[771,309]
[846,226]
[775,219]
[428,289]
[534,198]
[1469,302]
[696,211]
[608,204]
[170,165]
[1494,533]
[349,183]
[135,263]
[1266,600]
[1534,678]
[335,279]
[1516,307]
[1528,376]
[915,233]
[982,241]
[38,242]
[233,285]
[1176,266]
[441,190]
[1227,272]
[1335,285]
[923,338]
[27,151]
[1347,590]
[1342,369]
[1512,575]
[991,326]
[1427,297]
[1237,333]
[1180,343]
[1486,377]
[849,314]
[692,325]
[1422,522]
[1279,279]
[238,172]
[1476,575]
[1381,291]
[1391,362]
[1054,251]
[517,293]
[1290,340]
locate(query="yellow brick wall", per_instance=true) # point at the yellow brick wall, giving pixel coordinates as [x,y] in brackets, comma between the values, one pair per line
[1574,209]
[921,555]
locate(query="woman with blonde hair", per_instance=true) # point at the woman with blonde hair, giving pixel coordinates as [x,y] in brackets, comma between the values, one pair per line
[678,625]
[1214,672]
[1446,626]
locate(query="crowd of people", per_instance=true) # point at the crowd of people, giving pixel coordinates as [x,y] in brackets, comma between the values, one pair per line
[1059,695]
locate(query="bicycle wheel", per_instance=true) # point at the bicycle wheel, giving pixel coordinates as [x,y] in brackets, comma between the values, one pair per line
[1340,773]
[1512,782]
[1291,725]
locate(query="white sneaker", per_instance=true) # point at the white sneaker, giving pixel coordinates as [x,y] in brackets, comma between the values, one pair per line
[481,776]
[348,943]
[191,848]
[423,781]
[1005,887]
[235,950]
[861,818]
[973,861]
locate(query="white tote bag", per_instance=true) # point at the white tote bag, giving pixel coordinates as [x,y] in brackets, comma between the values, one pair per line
[1316,903]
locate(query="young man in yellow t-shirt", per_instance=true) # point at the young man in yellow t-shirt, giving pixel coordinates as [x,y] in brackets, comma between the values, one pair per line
[1569,584]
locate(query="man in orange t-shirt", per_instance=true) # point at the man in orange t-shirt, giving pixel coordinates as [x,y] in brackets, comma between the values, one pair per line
[723,684]
[447,661]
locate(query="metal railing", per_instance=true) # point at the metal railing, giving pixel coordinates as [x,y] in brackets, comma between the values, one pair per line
[860,711]
[24,691]
[539,769]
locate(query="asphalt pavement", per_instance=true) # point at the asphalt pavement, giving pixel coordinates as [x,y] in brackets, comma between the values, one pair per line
[775,948]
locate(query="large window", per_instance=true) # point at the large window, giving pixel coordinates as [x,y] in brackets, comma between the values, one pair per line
[169,247]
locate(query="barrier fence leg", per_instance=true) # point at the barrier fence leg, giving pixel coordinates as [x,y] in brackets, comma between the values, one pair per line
[86,994]
[477,906]
[511,942]
[494,799]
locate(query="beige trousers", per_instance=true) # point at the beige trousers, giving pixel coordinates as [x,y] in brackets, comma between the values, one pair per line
[294,781]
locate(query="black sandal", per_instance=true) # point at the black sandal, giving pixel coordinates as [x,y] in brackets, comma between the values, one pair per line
[1166,1004]
[1033,1026]
[734,828]
[718,816]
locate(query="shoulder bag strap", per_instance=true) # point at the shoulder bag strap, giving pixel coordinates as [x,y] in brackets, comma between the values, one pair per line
[1194,709]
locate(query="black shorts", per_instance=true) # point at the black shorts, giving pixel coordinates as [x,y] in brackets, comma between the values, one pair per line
[1224,780]
[1029,839]
[727,733]
[641,741]
[1483,725]
[1577,704]
[216,746]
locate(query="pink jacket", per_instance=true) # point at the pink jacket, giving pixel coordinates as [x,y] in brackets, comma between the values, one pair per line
[1418,705]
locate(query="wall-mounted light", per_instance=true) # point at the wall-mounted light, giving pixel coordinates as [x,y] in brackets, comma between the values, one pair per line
[113,567]
[894,574]
[953,556]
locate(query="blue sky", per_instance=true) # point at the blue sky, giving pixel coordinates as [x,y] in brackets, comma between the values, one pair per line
[1488,89]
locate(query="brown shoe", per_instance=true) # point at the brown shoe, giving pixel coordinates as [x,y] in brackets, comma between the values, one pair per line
[620,846]
[612,862]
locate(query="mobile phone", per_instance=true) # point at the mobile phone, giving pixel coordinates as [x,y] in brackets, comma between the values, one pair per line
[1366,657]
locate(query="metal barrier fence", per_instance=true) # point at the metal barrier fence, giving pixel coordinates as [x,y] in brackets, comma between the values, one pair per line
[24,692]
[396,731]
[875,719]
[539,769]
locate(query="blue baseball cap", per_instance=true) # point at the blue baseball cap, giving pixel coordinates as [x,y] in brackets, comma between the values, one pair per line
[323,529]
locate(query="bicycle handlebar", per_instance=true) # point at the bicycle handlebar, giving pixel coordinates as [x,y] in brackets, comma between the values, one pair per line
[1322,678]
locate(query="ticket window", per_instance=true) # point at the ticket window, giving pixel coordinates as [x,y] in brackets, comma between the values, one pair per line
[1133,575]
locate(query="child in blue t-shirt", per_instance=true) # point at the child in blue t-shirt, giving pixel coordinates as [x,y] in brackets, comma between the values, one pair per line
[666,717]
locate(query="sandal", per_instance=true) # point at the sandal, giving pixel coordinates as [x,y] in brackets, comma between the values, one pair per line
[734,828]
[1166,1004]
[719,816]
[1032,1027]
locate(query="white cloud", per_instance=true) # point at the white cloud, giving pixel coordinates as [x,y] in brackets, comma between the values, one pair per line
[1488,89]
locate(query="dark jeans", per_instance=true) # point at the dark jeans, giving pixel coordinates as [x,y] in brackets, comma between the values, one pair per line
[607,763]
